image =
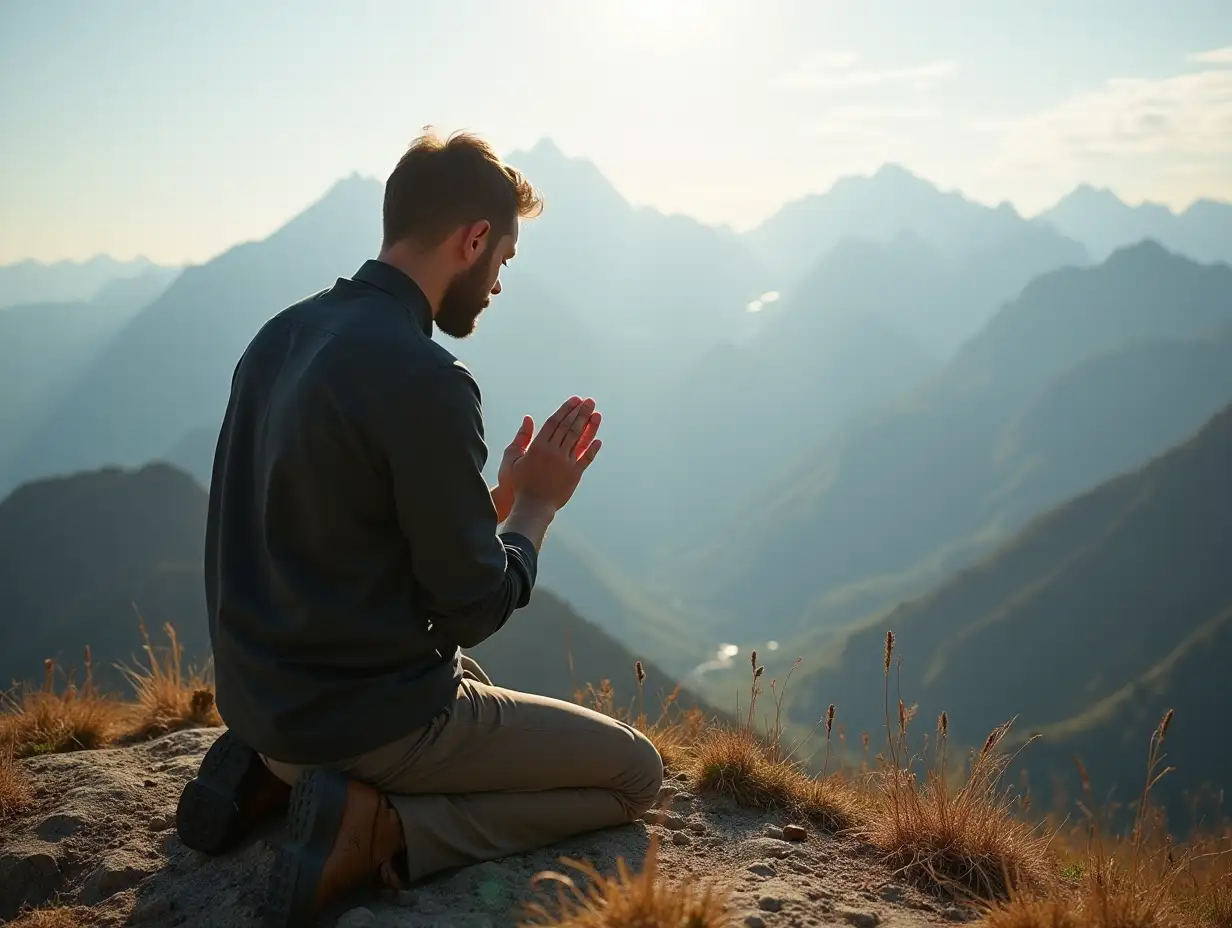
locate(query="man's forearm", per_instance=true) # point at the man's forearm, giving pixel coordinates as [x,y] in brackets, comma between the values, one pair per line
[531,518]
[502,501]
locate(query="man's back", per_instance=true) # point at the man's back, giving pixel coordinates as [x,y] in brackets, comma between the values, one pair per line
[318,601]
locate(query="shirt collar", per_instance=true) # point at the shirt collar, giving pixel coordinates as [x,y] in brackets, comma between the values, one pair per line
[401,287]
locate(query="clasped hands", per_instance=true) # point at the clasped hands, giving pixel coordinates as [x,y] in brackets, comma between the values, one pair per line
[547,466]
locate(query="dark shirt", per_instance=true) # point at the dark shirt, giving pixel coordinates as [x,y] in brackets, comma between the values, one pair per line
[351,544]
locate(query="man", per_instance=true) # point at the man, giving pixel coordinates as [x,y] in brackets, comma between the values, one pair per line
[353,549]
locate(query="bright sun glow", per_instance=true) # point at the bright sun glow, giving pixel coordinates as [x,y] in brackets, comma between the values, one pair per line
[661,15]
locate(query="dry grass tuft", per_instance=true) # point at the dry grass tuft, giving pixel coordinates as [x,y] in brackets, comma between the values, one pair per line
[735,763]
[1142,881]
[14,787]
[629,900]
[963,839]
[56,917]
[48,720]
[168,696]
[51,720]
[761,772]
[1038,913]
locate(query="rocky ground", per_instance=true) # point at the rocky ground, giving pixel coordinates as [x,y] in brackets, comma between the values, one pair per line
[101,836]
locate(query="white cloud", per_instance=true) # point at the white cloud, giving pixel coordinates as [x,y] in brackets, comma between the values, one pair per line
[1184,116]
[842,70]
[1214,56]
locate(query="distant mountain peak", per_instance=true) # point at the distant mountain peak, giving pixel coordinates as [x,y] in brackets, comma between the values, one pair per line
[551,170]
[890,175]
[1090,191]
[1087,196]
[350,187]
[893,172]
[546,148]
[1148,249]
[347,200]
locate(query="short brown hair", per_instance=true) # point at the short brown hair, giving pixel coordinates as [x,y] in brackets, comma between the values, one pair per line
[442,184]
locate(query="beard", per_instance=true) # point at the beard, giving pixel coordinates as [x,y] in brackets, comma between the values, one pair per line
[465,298]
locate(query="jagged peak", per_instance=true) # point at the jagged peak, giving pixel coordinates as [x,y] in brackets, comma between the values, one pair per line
[549,168]
[1147,249]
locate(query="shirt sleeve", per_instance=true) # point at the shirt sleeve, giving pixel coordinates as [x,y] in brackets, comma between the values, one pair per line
[470,578]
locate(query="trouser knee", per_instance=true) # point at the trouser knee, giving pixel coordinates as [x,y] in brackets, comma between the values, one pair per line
[645,775]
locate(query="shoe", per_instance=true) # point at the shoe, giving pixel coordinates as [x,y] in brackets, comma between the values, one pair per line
[343,835]
[231,794]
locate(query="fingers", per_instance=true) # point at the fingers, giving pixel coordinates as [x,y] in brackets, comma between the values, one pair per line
[570,428]
[554,420]
[588,456]
[521,441]
[588,434]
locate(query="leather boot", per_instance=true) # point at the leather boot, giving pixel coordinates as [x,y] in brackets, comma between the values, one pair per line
[343,835]
[231,794]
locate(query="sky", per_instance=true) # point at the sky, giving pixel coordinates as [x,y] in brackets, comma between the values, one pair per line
[175,130]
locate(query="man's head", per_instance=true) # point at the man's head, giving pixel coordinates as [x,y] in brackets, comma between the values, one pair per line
[452,211]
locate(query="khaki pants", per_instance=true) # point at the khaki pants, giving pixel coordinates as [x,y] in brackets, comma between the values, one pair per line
[503,772]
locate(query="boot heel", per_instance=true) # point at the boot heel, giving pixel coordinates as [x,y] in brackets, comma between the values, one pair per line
[314,815]
[209,815]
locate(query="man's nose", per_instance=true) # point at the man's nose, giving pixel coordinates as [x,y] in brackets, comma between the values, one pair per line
[496,288]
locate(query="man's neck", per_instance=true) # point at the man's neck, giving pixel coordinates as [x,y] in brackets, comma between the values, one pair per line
[419,267]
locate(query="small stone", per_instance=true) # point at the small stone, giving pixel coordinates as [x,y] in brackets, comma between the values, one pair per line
[891,892]
[680,839]
[954,914]
[763,868]
[356,918]
[666,819]
[160,823]
[698,828]
[770,903]
[770,847]
[774,831]
[754,921]
[667,792]
[795,833]
[859,919]
[405,897]
[148,783]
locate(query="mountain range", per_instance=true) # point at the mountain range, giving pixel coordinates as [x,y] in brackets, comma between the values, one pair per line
[806,423]
[32,281]
[45,346]
[1086,626]
[621,302]
[1100,220]
[1088,373]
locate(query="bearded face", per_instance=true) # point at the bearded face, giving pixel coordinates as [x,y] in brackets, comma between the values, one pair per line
[468,295]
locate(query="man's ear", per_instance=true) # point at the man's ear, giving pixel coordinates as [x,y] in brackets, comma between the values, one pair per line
[475,239]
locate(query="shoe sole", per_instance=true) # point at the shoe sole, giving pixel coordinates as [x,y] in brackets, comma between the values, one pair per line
[208,816]
[314,815]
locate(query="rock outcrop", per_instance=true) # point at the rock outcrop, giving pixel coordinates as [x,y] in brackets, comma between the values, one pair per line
[100,837]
